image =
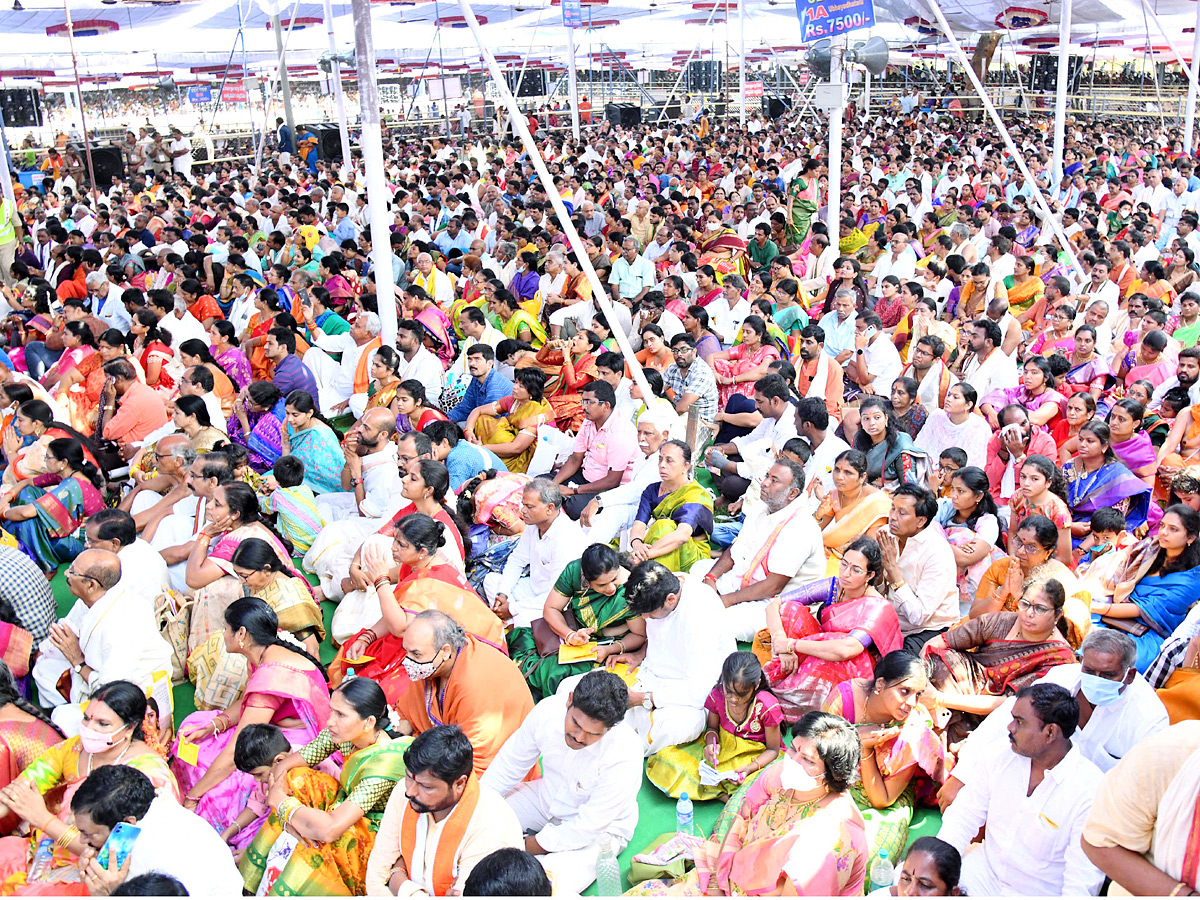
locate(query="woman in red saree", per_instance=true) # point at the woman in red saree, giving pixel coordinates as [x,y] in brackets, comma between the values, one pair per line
[152,347]
[286,688]
[569,366]
[425,580]
[737,368]
[976,665]
[805,659]
[707,287]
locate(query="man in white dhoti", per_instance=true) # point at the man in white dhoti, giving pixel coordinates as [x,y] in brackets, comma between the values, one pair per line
[338,382]
[680,660]
[173,534]
[433,281]
[778,548]
[143,570]
[108,635]
[372,479]
[550,541]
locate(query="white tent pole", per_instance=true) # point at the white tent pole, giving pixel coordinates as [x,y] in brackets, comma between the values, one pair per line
[1189,121]
[372,151]
[1187,70]
[833,213]
[742,58]
[1048,216]
[521,127]
[572,82]
[336,75]
[285,87]
[1060,98]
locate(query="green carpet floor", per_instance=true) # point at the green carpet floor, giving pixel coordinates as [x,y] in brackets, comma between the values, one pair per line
[657,811]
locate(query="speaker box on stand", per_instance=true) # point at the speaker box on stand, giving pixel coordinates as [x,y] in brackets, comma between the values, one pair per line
[533,82]
[109,163]
[624,115]
[774,107]
[329,141]
[21,108]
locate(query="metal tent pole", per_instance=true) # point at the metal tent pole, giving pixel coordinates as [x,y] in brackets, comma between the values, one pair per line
[1060,97]
[833,212]
[372,151]
[285,88]
[336,75]
[573,83]
[87,144]
[742,56]
[1189,120]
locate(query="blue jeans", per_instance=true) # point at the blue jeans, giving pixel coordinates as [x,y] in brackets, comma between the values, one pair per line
[724,533]
[38,359]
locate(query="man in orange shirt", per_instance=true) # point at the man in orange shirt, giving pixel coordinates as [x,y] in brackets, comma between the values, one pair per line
[818,375]
[1122,271]
[131,409]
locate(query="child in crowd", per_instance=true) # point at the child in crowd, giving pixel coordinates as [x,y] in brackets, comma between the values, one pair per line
[258,748]
[951,460]
[1096,559]
[293,502]
[741,738]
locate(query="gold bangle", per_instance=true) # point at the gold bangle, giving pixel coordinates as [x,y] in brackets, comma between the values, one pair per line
[1179,889]
[64,841]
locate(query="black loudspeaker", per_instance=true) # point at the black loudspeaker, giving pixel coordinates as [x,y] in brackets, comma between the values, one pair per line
[109,163]
[774,108]
[329,141]
[533,82]
[625,115]
[703,76]
[21,108]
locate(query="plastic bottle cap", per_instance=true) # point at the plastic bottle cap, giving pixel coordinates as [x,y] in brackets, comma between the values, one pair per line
[683,796]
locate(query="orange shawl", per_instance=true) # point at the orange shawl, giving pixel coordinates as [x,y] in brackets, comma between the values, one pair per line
[449,841]
[362,372]
[486,696]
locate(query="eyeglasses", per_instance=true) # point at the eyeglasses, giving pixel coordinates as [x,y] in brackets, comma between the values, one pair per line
[71,572]
[1038,609]
[1027,546]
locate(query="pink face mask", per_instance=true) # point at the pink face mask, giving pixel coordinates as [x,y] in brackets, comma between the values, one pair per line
[97,741]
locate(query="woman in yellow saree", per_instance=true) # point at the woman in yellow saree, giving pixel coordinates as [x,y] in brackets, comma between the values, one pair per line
[675,516]
[509,426]
[515,322]
[1025,289]
[335,819]
[854,508]
[259,568]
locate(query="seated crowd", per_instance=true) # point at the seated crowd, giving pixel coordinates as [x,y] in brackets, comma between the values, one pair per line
[825,533]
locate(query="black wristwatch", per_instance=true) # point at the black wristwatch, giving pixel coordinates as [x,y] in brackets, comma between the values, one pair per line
[859,352]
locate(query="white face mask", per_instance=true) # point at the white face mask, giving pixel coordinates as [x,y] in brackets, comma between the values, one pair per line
[794,777]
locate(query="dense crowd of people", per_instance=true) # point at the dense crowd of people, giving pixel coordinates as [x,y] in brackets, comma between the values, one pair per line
[824,528]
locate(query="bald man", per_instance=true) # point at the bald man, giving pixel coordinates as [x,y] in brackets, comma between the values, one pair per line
[109,635]
[435,282]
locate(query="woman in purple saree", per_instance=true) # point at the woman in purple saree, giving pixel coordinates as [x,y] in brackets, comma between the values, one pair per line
[1096,479]
[1130,442]
[287,688]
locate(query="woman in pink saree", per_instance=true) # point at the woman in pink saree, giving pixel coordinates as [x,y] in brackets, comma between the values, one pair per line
[737,368]
[286,688]
[794,831]
[804,658]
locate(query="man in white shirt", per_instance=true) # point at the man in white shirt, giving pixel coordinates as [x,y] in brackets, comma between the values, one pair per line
[1034,796]
[337,381]
[143,569]
[758,450]
[417,362]
[812,424]
[180,150]
[172,839]
[109,635]
[551,539]
[433,281]
[876,362]
[680,660]
[778,548]
[987,368]
[899,261]
[918,567]
[591,773]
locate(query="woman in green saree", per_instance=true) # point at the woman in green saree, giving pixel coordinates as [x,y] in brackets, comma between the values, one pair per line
[802,202]
[586,604]
[675,516]
[336,819]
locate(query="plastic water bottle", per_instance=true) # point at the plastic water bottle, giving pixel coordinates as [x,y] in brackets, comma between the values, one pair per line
[608,870]
[41,860]
[684,822]
[883,873]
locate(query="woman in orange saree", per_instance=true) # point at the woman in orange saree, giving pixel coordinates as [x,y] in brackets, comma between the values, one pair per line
[794,830]
[268,306]
[425,581]
[569,366]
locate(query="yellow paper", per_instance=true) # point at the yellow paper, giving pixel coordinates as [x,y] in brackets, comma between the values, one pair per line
[188,752]
[361,661]
[626,674]
[571,654]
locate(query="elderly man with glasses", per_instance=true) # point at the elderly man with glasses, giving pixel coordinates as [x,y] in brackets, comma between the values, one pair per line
[109,635]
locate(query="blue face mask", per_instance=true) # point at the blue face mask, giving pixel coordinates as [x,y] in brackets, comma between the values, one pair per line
[1100,691]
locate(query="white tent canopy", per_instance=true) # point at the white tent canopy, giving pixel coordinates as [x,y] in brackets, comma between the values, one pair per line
[184,39]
